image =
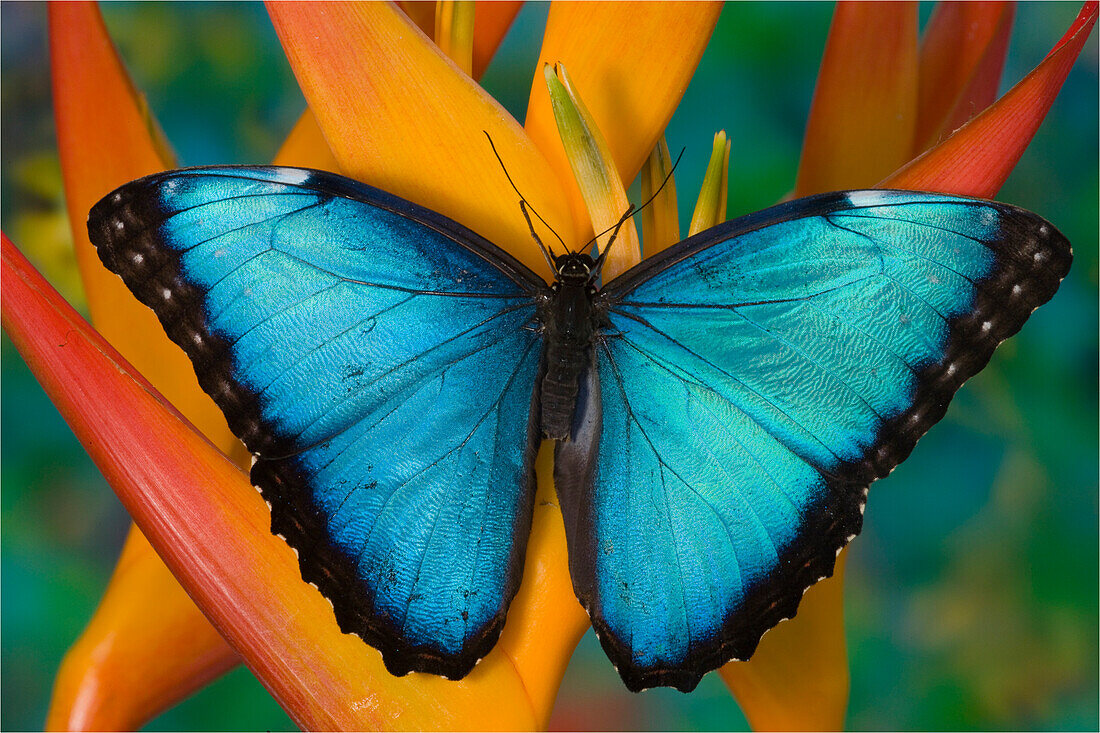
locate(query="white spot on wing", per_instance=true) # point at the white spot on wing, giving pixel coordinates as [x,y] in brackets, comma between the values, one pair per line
[294,176]
[868,198]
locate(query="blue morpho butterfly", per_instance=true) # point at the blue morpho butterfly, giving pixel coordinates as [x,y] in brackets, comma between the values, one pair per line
[720,408]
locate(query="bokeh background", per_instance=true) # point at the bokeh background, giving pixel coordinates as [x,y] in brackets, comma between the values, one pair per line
[972,593]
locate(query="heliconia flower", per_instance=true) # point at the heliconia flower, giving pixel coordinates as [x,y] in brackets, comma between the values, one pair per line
[385,127]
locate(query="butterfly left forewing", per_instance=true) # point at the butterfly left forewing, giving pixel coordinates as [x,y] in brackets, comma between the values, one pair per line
[752,382]
[380,361]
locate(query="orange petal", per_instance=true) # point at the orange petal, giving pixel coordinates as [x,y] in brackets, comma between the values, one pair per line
[491,24]
[202,516]
[962,55]
[798,678]
[114,677]
[631,61]
[976,160]
[305,146]
[398,115]
[864,107]
[105,139]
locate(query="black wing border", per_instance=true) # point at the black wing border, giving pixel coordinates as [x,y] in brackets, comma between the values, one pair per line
[122,227]
[1032,258]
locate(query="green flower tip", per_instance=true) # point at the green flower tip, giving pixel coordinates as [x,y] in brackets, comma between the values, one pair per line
[710,208]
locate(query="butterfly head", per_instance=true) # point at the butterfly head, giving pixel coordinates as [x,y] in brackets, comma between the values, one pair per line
[577,269]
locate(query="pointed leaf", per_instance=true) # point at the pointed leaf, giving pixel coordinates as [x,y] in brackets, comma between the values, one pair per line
[546,621]
[106,138]
[977,158]
[864,108]
[114,676]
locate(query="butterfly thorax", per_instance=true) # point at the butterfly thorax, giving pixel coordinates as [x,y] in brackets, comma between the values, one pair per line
[570,319]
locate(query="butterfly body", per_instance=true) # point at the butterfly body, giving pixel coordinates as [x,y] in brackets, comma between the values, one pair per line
[720,409]
[570,321]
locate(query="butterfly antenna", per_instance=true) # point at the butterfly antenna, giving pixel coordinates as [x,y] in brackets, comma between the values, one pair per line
[524,205]
[598,264]
[545,250]
[631,211]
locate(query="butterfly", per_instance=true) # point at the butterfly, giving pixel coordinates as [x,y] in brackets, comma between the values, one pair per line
[719,409]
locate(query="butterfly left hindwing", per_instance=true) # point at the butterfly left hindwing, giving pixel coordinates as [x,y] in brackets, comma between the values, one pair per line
[381,363]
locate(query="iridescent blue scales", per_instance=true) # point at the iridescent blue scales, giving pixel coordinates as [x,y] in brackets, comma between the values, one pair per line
[740,391]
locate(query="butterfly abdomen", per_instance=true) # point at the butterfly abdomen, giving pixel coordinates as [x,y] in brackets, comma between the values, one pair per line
[559,389]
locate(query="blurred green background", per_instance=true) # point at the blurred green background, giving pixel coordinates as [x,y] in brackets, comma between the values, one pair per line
[972,593]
